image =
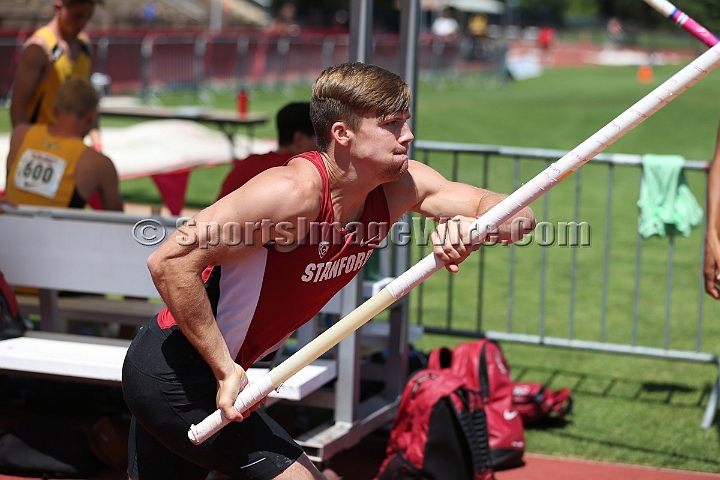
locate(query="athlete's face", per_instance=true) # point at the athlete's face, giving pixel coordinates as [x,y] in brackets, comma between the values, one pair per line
[73,18]
[385,142]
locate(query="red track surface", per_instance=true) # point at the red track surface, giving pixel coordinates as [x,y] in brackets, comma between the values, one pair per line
[540,467]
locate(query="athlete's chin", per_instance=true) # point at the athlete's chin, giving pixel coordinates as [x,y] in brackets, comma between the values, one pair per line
[404,165]
[402,161]
[396,173]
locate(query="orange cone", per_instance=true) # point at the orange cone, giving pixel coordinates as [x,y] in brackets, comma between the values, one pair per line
[645,73]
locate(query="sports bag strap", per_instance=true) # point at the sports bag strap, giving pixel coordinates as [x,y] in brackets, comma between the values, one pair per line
[484,380]
[7,293]
[474,426]
[482,439]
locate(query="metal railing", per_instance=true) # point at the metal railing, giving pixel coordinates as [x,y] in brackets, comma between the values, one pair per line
[585,279]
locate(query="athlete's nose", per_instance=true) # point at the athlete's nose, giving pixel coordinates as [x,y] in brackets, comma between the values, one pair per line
[406,134]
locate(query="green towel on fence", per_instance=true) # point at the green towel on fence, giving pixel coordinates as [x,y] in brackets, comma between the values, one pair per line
[665,198]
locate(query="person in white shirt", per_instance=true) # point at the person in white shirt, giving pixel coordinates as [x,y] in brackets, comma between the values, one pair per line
[445,25]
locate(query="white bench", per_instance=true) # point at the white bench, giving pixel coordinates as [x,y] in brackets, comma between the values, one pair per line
[99,360]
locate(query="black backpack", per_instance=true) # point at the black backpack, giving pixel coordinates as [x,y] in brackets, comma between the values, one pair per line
[48,446]
[439,433]
[483,366]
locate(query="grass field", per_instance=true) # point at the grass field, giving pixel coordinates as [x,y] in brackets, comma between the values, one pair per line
[627,409]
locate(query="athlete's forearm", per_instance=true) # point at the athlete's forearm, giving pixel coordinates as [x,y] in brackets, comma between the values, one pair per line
[713,192]
[183,292]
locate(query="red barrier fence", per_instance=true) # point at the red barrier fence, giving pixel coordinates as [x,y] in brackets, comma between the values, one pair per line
[148,61]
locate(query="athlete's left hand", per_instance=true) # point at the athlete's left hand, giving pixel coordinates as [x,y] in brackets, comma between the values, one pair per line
[452,241]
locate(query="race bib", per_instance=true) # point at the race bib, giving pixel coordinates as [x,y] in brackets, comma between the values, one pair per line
[39,173]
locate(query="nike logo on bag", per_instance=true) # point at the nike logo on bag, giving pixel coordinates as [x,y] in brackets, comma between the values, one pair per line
[508,415]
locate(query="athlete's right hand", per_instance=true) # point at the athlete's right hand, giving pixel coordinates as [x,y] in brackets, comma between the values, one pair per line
[228,390]
[711,268]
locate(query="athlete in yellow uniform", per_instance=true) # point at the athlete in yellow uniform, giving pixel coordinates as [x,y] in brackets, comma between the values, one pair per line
[43,172]
[50,165]
[53,54]
[41,108]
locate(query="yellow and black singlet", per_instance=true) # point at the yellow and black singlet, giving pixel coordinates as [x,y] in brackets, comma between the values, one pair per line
[43,172]
[40,109]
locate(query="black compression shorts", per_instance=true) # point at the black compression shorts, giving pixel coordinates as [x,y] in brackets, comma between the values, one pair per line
[167,387]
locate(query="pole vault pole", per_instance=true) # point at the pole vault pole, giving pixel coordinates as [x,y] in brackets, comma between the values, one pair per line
[487,223]
[684,21]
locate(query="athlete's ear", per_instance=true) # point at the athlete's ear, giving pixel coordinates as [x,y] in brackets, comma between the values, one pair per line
[89,121]
[340,133]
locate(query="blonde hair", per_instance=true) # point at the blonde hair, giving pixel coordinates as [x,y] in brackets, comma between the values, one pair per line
[76,97]
[345,92]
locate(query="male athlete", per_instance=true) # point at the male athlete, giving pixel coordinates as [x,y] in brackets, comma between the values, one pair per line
[305,230]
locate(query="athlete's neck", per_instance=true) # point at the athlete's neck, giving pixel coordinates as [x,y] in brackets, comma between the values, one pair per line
[67,126]
[347,191]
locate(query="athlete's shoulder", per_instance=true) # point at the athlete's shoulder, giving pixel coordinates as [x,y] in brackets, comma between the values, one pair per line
[17,138]
[294,184]
[416,175]
[83,37]
[95,159]
[43,37]
[22,129]
[300,173]
[419,182]
[83,41]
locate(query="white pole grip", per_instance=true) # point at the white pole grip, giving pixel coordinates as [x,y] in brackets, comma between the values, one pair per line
[248,397]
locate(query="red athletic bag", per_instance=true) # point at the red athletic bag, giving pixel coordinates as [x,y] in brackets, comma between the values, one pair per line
[534,401]
[439,432]
[483,366]
[12,322]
